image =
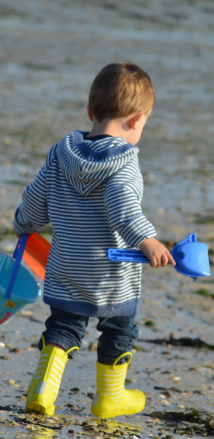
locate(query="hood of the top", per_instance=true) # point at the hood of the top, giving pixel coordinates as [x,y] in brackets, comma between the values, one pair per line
[87,163]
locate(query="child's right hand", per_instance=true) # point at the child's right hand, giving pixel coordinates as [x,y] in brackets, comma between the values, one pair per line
[156,252]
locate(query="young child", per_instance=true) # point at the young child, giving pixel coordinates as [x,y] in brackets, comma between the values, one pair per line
[90,189]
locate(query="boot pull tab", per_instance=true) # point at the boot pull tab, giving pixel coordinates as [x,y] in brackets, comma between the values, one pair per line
[72,349]
[114,364]
[43,341]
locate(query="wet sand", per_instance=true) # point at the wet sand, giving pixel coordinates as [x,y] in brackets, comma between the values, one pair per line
[175,379]
[50,54]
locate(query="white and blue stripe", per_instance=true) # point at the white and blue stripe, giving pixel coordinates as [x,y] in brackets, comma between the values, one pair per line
[91,191]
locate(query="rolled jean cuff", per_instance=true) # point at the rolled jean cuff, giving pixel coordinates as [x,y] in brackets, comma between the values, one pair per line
[65,346]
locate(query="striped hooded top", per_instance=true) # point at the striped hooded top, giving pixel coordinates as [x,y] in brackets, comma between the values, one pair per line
[90,190]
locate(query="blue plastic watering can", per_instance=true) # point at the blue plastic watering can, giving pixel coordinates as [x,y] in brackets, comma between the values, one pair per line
[191,257]
[17,286]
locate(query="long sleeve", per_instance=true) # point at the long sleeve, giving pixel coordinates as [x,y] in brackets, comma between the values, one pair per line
[32,213]
[123,194]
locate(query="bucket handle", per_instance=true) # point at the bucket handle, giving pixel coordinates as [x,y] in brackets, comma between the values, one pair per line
[18,253]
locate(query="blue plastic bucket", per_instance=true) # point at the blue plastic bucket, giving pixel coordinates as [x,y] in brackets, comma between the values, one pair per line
[17,286]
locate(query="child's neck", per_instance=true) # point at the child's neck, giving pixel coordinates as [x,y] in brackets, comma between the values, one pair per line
[113,128]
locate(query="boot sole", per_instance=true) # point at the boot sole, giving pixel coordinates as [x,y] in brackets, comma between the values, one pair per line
[102,413]
[41,409]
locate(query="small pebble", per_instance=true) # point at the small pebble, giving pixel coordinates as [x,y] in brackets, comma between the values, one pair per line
[16,350]
[92,347]
[6,141]
[164,402]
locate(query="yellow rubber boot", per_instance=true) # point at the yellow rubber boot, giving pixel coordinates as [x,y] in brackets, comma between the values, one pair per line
[112,399]
[45,384]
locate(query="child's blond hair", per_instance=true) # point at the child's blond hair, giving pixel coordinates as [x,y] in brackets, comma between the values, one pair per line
[119,90]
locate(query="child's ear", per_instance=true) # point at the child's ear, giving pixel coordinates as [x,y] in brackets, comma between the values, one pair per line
[90,114]
[133,122]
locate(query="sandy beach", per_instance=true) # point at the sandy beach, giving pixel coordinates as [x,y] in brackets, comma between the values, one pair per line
[50,53]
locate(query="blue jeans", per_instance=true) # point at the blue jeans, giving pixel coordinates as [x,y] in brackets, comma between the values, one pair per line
[119,334]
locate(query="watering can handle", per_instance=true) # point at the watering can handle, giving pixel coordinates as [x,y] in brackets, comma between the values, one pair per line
[126,255]
[18,253]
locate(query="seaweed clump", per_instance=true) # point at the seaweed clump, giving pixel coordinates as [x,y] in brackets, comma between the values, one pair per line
[191,421]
